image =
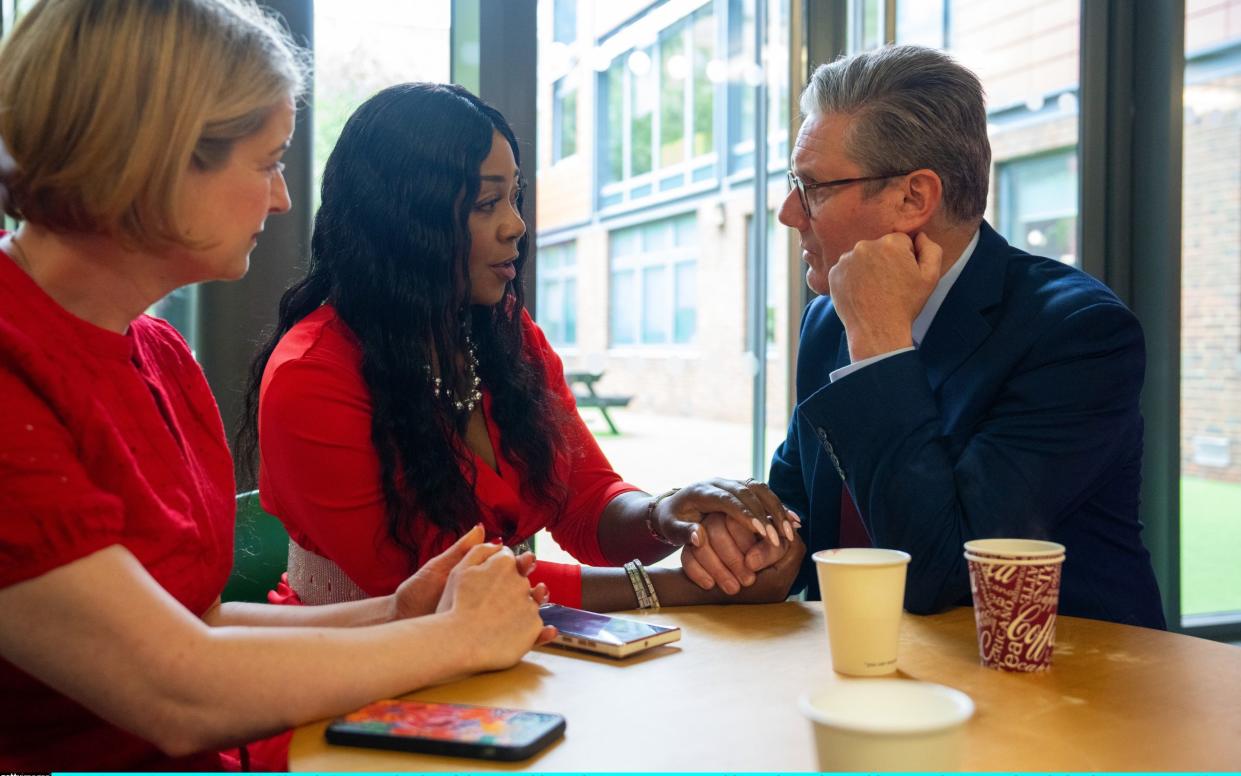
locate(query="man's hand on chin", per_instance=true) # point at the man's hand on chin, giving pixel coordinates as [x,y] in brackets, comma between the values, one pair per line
[879,288]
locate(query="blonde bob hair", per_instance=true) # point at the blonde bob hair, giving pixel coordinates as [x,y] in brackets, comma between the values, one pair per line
[105,105]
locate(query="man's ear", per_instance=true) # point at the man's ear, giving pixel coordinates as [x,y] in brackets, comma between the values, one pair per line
[922,191]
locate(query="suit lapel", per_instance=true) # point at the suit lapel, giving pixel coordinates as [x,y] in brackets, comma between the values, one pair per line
[960,326]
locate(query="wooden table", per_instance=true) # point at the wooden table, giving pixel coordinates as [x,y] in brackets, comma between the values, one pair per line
[724,699]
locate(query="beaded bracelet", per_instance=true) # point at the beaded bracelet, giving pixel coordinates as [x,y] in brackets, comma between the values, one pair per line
[650,517]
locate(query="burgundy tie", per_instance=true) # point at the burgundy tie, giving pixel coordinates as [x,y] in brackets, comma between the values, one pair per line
[852,531]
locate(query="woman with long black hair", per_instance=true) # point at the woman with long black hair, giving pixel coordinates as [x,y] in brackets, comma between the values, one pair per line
[406,394]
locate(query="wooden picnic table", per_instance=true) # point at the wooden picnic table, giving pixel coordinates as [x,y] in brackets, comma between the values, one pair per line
[587,397]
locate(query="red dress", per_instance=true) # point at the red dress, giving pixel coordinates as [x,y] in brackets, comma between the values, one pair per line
[319,472]
[105,439]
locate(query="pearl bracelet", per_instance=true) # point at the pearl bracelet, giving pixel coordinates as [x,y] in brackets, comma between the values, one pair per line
[650,518]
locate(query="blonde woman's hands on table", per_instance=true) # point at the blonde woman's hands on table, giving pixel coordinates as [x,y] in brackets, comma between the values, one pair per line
[490,599]
[422,592]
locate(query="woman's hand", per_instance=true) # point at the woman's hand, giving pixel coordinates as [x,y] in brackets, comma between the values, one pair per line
[495,607]
[753,514]
[421,593]
[750,503]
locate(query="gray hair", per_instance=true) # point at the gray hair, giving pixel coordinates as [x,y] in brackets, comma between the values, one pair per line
[912,107]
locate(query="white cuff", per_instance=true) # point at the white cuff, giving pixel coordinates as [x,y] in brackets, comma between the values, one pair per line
[849,369]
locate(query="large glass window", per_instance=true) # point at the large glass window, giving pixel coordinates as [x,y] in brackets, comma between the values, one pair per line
[674,64]
[1025,53]
[1211,315]
[557,292]
[923,23]
[665,139]
[614,163]
[659,97]
[654,277]
[363,46]
[643,97]
[1037,203]
[744,75]
[564,119]
[564,20]
[705,77]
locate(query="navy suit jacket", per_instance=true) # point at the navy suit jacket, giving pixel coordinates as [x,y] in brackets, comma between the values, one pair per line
[1016,417]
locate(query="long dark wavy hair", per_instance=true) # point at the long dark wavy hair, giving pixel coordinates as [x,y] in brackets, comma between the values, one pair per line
[390,253]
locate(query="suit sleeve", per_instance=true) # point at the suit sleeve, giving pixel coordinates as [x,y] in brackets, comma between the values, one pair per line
[1056,426]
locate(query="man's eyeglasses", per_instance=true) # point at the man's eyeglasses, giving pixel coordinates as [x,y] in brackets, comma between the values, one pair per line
[802,187]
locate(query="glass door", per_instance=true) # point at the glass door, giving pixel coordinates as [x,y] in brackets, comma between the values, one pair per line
[647,146]
[1211,316]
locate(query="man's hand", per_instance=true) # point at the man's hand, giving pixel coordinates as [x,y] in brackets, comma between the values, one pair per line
[880,286]
[729,555]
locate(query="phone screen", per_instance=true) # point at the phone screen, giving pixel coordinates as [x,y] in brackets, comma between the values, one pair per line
[461,724]
[600,627]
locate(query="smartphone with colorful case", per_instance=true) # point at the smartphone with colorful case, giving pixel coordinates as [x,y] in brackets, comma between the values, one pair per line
[450,729]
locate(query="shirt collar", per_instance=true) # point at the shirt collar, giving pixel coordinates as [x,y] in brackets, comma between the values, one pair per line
[923,322]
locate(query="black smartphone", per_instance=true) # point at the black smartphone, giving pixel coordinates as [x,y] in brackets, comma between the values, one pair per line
[603,634]
[452,729]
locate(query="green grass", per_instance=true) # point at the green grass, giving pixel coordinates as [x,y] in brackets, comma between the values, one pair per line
[1210,546]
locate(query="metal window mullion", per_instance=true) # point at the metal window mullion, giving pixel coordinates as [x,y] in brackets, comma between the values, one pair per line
[758,269]
[1130,227]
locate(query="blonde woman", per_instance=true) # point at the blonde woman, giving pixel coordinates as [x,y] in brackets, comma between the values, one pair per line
[142,142]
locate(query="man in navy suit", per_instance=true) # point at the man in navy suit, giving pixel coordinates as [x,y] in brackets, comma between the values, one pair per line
[949,386]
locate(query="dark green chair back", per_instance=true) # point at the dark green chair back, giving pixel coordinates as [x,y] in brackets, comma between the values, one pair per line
[260,552]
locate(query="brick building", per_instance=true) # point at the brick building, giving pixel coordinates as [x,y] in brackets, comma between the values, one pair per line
[646,191]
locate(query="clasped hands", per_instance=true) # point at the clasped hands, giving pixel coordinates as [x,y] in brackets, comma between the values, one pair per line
[738,537]
[878,288]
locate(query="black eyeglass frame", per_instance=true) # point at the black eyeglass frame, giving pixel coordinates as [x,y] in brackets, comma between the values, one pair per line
[802,187]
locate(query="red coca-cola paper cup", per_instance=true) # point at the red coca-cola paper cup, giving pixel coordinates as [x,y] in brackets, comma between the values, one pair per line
[1015,602]
[1014,549]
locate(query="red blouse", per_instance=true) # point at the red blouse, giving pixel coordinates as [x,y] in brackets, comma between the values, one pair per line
[320,475]
[104,439]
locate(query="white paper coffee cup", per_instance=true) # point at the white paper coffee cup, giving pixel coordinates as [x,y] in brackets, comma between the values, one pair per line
[887,725]
[863,592]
